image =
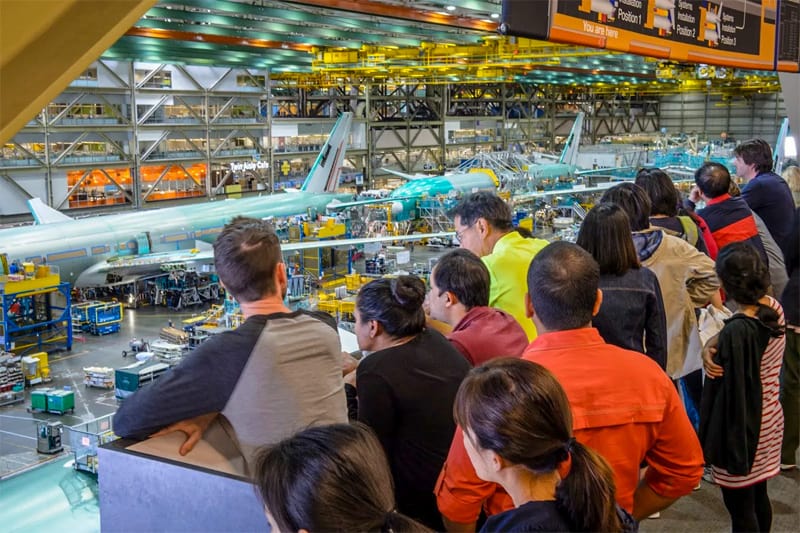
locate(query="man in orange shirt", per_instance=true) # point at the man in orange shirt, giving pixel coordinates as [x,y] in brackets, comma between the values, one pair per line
[623,405]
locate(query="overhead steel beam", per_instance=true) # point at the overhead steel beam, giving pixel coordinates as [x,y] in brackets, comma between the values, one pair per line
[403,12]
[211,51]
[344,22]
[278,31]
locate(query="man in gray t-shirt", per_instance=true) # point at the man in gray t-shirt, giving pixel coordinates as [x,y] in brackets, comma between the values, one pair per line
[277,373]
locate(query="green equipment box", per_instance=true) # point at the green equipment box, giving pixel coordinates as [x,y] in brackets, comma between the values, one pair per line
[61,401]
[39,400]
[54,401]
[131,378]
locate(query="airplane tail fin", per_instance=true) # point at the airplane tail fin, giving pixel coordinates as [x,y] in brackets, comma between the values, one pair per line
[570,153]
[44,214]
[778,152]
[324,175]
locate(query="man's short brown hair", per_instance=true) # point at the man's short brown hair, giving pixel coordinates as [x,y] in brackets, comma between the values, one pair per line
[246,254]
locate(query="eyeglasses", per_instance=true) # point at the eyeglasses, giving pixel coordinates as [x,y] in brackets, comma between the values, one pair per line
[460,234]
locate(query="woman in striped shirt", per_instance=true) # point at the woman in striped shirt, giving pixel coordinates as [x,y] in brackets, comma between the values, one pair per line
[741,420]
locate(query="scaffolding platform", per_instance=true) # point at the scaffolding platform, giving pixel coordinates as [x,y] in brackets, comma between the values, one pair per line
[35,311]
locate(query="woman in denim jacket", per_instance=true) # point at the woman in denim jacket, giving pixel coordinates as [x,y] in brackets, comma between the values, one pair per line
[632,313]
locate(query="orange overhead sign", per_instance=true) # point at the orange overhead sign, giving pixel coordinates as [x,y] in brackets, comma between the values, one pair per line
[752,34]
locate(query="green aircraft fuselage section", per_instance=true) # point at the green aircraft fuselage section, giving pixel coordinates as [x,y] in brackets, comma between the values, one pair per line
[408,194]
[551,171]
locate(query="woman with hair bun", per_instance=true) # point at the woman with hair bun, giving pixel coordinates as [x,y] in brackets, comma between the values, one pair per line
[329,478]
[518,433]
[741,419]
[405,389]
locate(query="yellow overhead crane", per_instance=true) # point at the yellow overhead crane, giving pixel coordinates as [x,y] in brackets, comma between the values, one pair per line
[504,59]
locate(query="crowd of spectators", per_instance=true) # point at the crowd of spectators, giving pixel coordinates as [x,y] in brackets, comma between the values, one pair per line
[552,398]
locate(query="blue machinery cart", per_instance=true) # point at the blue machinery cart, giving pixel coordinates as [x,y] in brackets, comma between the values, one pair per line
[97,318]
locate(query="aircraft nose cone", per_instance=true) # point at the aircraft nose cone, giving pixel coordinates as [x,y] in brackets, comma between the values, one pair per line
[397,208]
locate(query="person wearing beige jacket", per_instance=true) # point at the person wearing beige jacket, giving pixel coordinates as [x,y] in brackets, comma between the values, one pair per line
[686,276]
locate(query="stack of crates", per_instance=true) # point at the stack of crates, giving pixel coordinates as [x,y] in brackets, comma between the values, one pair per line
[15,395]
[168,352]
[98,376]
[10,372]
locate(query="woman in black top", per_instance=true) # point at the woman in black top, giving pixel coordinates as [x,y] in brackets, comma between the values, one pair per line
[518,433]
[632,313]
[405,389]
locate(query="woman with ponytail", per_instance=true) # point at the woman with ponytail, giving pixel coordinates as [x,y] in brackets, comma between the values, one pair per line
[329,478]
[405,389]
[518,433]
[741,420]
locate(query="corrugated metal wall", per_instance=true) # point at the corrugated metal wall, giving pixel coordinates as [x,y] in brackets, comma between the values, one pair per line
[757,115]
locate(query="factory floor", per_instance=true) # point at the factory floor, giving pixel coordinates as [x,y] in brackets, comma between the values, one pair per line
[35,498]
[37,490]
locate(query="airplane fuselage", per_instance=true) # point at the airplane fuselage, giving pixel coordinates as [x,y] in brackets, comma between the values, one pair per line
[551,171]
[76,245]
[405,197]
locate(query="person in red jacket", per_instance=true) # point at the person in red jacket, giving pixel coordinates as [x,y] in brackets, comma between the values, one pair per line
[459,297]
[623,405]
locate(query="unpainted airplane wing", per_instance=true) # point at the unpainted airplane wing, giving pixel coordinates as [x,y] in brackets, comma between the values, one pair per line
[306,245]
[44,214]
[404,175]
[338,206]
[602,171]
[129,269]
[522,198]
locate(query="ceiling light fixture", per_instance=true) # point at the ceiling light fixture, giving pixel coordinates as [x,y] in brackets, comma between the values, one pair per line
[451,8]
[495,15]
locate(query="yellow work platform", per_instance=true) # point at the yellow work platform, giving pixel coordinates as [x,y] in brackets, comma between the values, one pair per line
[29,285]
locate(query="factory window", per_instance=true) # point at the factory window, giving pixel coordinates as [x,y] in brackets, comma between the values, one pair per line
[249,80]
[159,80]
[84,110]
[90,74]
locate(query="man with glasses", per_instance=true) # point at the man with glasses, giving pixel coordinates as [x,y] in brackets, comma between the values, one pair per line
[484,227]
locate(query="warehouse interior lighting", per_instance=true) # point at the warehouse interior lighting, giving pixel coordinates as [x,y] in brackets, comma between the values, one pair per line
[790,147]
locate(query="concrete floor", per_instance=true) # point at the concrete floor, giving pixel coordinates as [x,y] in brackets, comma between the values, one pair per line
[70,497]
[18,426]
